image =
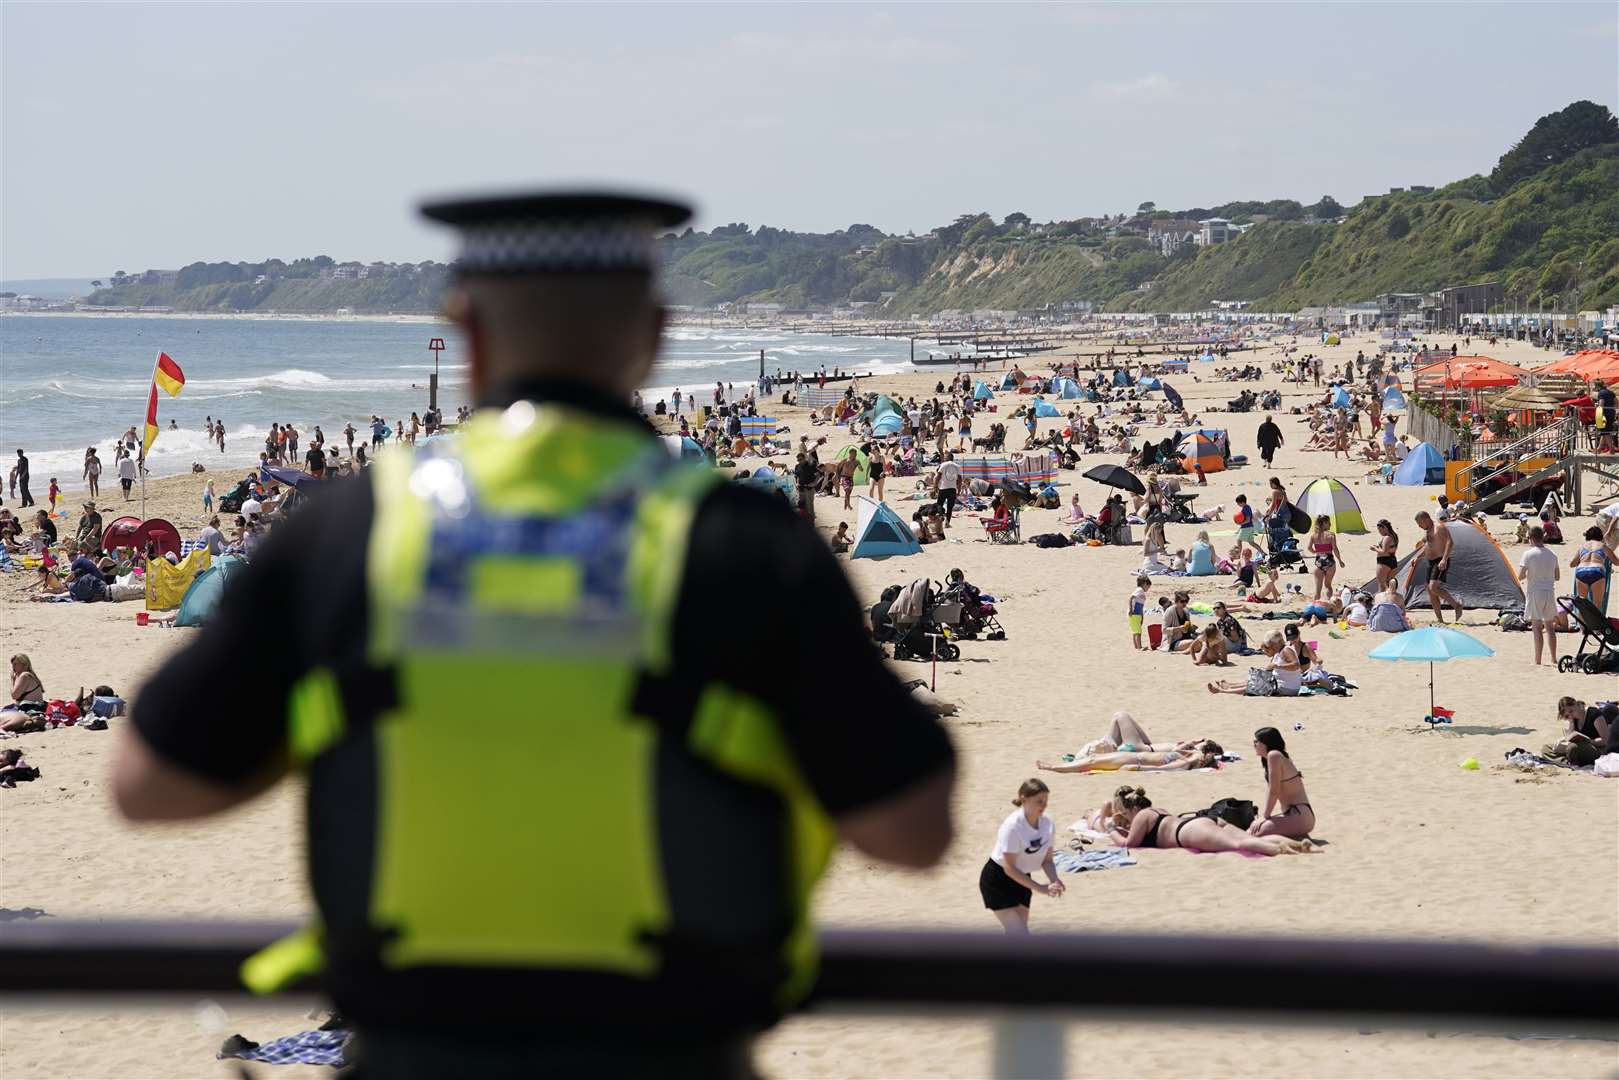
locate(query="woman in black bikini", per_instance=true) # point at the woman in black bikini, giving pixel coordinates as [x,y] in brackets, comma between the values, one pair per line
[1387,544]
[1149,828]
[1284,788]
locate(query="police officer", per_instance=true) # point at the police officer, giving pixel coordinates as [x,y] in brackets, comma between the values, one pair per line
[561,701]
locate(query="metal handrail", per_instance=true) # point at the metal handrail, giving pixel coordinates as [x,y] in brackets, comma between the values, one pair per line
[1558,436]
[1317,979]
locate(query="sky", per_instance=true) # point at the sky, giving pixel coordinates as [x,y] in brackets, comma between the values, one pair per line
[135,136]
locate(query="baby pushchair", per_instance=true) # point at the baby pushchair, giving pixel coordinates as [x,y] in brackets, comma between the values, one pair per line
[231,503]
[1595,628]
[908,618]
[1284,552]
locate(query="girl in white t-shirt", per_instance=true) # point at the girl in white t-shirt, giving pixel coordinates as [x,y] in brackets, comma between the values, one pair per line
[1023,845]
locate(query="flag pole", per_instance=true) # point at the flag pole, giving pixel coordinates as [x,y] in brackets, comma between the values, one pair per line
[151,418]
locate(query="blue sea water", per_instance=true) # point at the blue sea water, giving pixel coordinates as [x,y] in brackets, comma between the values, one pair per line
[68,382]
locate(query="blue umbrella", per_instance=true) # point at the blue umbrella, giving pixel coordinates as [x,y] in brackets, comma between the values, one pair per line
[1171,395]
[1433,644]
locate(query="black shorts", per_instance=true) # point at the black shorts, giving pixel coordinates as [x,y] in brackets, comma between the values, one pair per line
[1388,560]
[999,891]
[1434,573]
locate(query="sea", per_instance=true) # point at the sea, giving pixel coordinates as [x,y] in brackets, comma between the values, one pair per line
[69,381]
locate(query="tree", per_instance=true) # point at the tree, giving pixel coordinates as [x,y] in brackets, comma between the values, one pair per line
[1146,208]
[95,284]
[1555,137]
[1327,208]
[1017,219]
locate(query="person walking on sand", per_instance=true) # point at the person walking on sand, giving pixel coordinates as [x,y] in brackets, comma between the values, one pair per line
[21,476]
[92,471]
[1539,569]
[1136,608]
[1436,546]
[1024,843]
[128,473]
[1268,439]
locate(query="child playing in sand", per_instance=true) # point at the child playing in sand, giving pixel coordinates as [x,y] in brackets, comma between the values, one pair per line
[208,497]
[54,493]
[840,539]
[1137,609]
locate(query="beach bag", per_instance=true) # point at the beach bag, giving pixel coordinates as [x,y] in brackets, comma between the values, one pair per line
[1051,540]
[1261,683]
[1239,812]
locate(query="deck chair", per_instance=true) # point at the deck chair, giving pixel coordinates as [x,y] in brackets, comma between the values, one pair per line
[1006,531]
[1595,627]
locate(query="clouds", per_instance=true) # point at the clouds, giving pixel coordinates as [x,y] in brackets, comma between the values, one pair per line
[1153,87]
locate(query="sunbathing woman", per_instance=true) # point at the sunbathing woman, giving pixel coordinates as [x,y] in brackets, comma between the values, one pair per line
[1151,828]
[1284,788]
[1136,761]
[1110,815]
[1123,733]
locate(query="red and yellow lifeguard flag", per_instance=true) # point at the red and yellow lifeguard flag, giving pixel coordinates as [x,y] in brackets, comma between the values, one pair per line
[167,374]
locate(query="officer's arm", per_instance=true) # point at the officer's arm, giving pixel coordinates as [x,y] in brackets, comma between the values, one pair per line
[912,828]
[149,788]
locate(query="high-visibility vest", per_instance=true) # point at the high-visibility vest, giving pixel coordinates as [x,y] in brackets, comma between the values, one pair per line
[522,579]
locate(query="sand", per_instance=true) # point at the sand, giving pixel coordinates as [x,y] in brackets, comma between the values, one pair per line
[1417,847]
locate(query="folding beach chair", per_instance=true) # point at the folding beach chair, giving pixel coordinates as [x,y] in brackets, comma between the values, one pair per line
[1005,531]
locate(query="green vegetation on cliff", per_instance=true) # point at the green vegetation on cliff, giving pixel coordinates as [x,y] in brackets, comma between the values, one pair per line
[1545,222]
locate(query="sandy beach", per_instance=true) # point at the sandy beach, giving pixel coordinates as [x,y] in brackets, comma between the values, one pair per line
[1416,846]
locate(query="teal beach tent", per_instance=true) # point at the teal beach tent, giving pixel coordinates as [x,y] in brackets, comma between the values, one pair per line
[880,533]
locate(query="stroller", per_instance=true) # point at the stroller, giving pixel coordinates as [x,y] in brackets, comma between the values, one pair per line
[231,503]
[916,631]
[1594,627]
[974,613]
[1284,552]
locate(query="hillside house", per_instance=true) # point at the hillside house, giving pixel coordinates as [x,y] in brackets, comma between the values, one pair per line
[1214,230]
[1169,235]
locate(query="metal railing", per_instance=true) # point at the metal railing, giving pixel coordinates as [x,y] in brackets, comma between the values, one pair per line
[1556,440]
[1029,987]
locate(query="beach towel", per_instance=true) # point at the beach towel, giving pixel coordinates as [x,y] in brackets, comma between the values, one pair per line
[1074,862]
[304,1048]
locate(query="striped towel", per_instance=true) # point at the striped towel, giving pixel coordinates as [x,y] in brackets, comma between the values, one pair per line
[188,546]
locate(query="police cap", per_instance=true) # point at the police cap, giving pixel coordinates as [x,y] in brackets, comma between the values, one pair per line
[558,231]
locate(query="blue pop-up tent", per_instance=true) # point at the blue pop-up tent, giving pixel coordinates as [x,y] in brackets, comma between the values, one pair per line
[1068,388]
[1393,400]
[982,392]
[880,533]
[202,597]
[1121,377]
[1340,398]
[1009,381]
[1046,408]
[1423,465]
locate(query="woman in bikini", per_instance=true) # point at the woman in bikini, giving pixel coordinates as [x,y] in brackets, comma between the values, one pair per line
[1123,733]
[1135,761]
[25,689]
[1284,788]
[1324,545]
[1110,815]
[1149,828]
[1387,561]
[1592,564]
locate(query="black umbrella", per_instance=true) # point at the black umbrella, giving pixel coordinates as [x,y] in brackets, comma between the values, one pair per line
[1171,395]
[1116,476]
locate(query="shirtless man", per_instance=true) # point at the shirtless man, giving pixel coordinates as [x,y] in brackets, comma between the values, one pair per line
[1436,547]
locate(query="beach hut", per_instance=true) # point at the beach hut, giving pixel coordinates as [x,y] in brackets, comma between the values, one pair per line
[982,392]
[1046,409]
[207,589]
[880,533]
[862,472]
[1198,451]
[1330,497]
[1069,389]
[1423,465]
[1393,400]
[1480,574]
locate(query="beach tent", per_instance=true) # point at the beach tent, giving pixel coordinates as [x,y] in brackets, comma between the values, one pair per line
[1340,398]
[1009,381]
[156,531]
[120,534]
[682,446]
[982,392]
[296,479]
[1393,400]
[1046,409]
[1121,377]
[885,416]
[1221,437]
[1201,452]
[1480,574]
[201,599]
[862,473]
[1423,465]
[1330,497]
[880,533]
[1068,388]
